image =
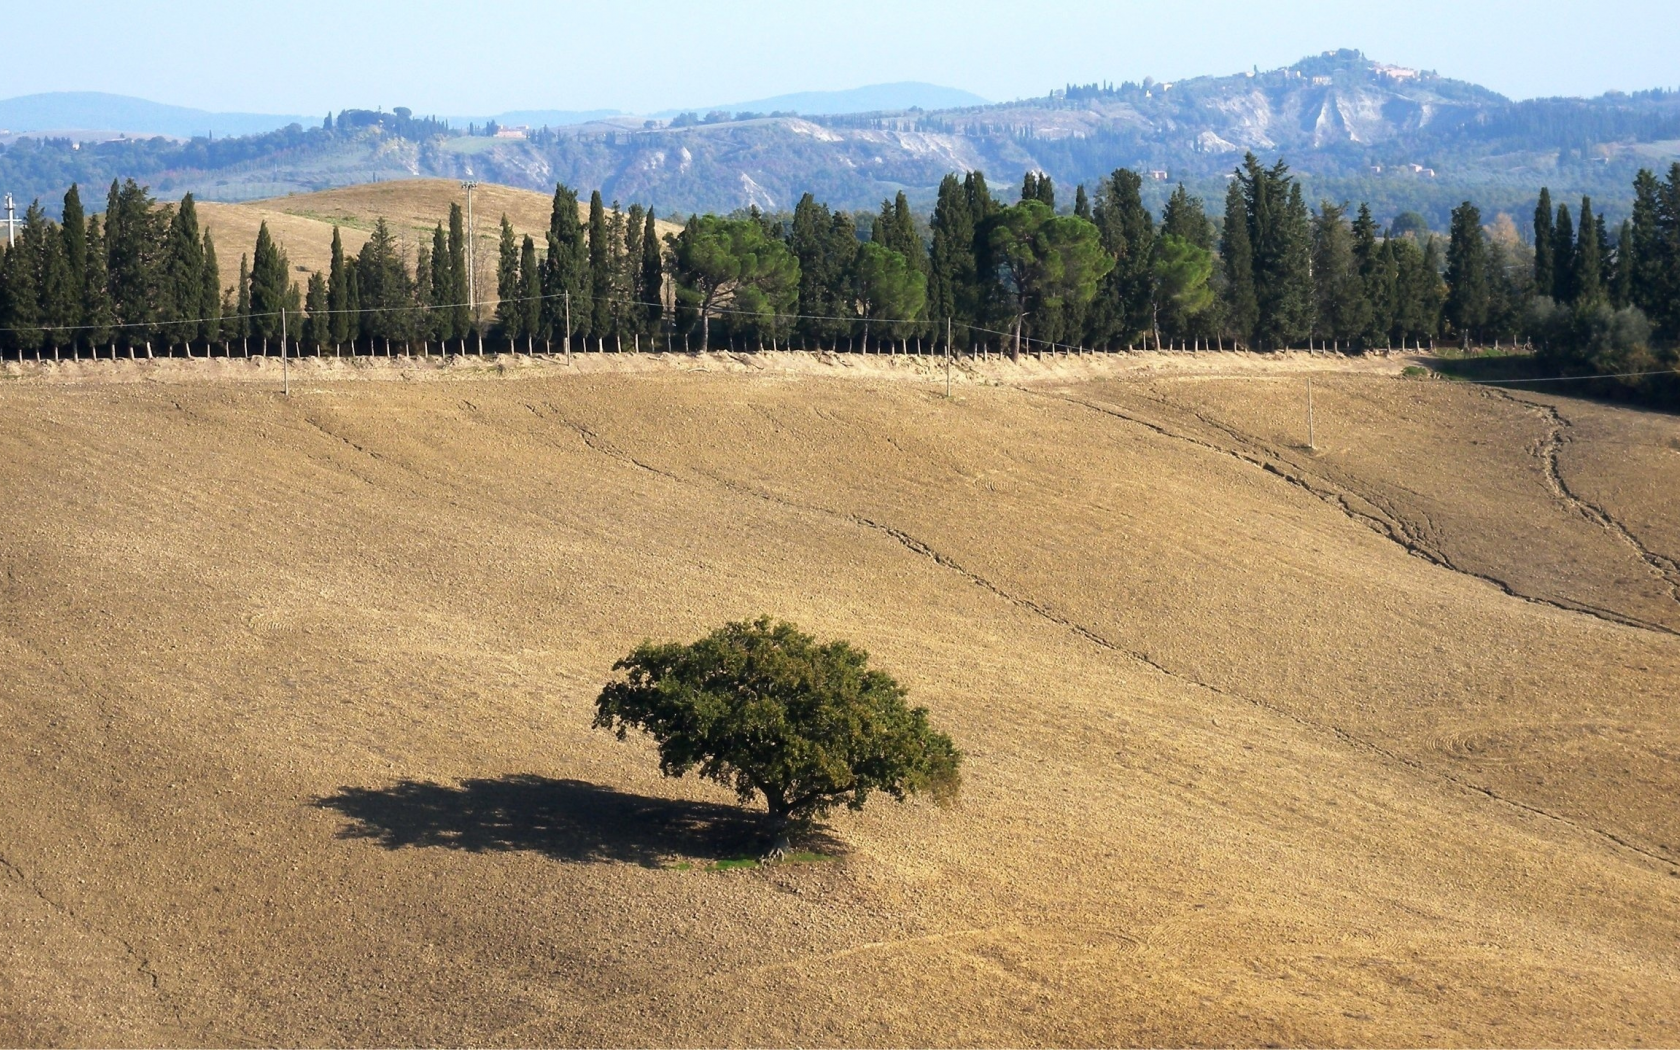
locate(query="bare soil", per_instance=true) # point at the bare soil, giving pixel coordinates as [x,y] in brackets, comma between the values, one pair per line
[1367,743]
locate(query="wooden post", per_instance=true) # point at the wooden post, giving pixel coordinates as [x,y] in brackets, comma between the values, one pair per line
[285,371]
[1311,442]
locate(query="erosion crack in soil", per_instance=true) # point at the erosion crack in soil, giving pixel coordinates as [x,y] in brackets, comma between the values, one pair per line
[1394,528]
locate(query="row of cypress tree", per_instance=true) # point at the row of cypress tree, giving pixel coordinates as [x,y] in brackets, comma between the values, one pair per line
[1106,273]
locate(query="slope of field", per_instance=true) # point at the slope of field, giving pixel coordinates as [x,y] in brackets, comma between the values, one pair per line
[302,223]
[1373,744]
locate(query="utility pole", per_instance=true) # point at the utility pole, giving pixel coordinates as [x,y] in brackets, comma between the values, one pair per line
[285,371]
[472,252]
[11,222]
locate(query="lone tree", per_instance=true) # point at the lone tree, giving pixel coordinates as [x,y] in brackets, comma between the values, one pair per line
[763,708]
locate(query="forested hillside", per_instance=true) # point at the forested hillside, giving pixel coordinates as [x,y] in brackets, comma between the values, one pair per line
[1353,129]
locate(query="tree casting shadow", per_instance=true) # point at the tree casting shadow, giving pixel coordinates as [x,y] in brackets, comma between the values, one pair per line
[565,819]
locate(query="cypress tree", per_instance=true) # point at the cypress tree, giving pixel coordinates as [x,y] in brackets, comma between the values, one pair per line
[1343,313]
[951,266]
[530,289]
[599,309]
[1621,285]
[1563,257]
[631,279]
[1029,186]
[58,297]
[1545,280]
[1185,219]
[1467,274]
[507,281]
[317,328]
[209,292]
[1586,277]
[1124,304]
[243,309]
[270,282]
[1237,251]
[1373,277]
[460,297]
[20,294]
[1644,269]
[183,273]
[1292,284]
[73,230]
[1081,203]
[653,276]
[97,314]
[443,302]
[338,293]
[566,268]
[808,239]
[135,234]
[425,298]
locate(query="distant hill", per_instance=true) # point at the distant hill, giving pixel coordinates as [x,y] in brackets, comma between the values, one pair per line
[905,95]
[94,111]
[1353,129]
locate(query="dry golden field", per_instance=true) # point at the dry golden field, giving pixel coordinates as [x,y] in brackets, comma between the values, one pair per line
[1369,744]
[302,224]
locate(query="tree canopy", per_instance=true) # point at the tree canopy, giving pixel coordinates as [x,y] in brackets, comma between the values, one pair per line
[767,710]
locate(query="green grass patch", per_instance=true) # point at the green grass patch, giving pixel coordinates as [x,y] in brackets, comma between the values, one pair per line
[748,863]
[1415,372]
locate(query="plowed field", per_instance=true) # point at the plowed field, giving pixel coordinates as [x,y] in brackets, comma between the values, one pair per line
[1371,743]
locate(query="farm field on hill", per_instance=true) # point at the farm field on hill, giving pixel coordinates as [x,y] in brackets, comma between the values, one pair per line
[1372,743]
[302,223]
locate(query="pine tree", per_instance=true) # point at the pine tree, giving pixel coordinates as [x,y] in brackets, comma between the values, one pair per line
[338,293]
[1563,256]
[507,281]
[1586,277]
[1241,308]
[1545,280]
[653,276]
[1467,274]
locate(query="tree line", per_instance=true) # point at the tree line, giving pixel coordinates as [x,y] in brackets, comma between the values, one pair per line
[1266,272]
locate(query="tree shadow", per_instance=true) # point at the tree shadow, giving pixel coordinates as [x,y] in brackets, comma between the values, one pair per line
[568,820]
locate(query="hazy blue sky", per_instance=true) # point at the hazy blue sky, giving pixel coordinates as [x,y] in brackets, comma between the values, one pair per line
[309,56]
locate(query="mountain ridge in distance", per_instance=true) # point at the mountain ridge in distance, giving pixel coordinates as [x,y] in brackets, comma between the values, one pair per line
[68,111]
